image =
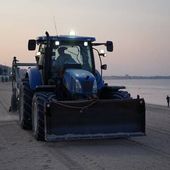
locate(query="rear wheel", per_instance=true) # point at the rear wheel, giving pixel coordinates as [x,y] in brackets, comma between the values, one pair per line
[25,105]
[110,93]
[122,95]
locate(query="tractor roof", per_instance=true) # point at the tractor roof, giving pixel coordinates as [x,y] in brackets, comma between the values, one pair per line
[65,38]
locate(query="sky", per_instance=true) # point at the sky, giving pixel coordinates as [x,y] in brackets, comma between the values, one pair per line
[140,30]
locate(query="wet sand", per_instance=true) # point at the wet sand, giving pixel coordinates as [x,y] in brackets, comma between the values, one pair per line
[20,151]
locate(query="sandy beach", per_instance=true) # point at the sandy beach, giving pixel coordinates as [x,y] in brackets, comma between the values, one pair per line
[20,151]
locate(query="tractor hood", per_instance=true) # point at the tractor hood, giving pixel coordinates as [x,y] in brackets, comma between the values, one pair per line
[80,82]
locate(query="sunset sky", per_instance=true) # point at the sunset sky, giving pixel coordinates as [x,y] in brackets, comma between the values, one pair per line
[139,29]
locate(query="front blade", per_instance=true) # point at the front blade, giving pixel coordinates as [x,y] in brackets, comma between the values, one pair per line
[94,119]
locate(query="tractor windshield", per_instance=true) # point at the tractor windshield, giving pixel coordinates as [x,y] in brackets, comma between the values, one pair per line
[79,54]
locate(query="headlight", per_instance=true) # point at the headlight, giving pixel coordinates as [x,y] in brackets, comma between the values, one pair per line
[94,87]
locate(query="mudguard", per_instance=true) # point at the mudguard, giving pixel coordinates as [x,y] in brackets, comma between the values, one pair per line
[70,120]
[35,78]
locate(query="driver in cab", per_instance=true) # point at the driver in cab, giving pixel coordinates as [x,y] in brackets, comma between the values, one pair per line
[63,58]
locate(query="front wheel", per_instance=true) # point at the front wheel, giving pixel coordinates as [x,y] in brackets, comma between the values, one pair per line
[38,110]
[38,103]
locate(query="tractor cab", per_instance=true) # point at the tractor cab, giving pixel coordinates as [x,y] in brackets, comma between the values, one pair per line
[58,53]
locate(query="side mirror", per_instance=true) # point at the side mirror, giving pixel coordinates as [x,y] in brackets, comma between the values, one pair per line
[109,46]
[31,45]
[104,67]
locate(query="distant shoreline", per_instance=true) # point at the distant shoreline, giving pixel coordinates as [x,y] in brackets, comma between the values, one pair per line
[134,77]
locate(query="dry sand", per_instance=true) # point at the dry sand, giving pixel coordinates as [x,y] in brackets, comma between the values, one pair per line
[20,151]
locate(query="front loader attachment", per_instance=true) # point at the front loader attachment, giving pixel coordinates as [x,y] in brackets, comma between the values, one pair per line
[69,120]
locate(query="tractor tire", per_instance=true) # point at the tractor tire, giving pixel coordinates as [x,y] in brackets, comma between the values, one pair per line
[109,93]
[38,110]
[25,105]
[122,95]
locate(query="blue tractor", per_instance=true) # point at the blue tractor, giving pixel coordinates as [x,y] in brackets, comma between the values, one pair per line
[63,97]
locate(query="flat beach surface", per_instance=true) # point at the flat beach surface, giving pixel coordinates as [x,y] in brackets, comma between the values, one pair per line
[20,151]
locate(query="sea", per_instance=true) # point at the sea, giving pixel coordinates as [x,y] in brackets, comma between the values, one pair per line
[154,91]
